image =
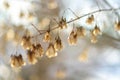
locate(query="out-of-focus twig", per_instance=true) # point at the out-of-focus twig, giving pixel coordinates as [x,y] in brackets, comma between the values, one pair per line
[106,2]
[97,4]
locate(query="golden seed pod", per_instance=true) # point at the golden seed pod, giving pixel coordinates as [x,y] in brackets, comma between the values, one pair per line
[33,47]
[13,61]
[26,42]
[93,38]
[58,44]
[61,74]
[90,19]
[47,37]
[6,4]
[50,52]
[31,57]
[38,50]
[17,61]
[117,26]
[21,60]
[21,15]
[83,57]
[81,32]
[72,39]
[63,23]
[96,31]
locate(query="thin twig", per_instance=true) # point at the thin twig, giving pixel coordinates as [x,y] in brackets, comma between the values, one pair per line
[97,4]
[102,10]
[70,11]
[73,12]
[35,27]
[106,2]
[55,20]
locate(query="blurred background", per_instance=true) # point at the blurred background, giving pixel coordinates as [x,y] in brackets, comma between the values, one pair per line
[84,61]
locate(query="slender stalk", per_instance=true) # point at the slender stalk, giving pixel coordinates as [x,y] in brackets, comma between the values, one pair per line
[37,28]
[73,12]
[97,4]
[106,2]
[100,10]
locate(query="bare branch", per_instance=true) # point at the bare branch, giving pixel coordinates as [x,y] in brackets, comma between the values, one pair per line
[100,10]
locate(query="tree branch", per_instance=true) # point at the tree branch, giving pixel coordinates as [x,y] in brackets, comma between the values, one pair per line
[101,10]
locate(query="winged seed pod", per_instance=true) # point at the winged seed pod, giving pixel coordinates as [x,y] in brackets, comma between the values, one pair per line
[117,26]
[21,61]
[51,52]
[93,37]
[90,19]
[63,23]
[47,37]
[38,50]
[72,39]
[26,43]
[17,61]
[58,44]
[31,57]
[96,31]
[81,32]
[6,4]
[83,56]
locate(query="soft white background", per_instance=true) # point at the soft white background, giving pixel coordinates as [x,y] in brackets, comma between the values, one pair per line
[103,62]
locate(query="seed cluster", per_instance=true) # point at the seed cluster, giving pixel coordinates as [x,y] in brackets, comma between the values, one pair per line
[17,61]
[90,19]
[36,51]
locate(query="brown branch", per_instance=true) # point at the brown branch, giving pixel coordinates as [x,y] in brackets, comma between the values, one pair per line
[101,10]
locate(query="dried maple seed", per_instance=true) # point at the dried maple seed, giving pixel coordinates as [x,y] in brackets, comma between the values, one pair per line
[81,31]
[33,47]
[31,57]
[17,61]
[72,39]
[117,26]
[20,59]
[63,23]
[26,42]
[13,61]
[58,44]
[96,31]
[93,38]
[38,50]
[51,52]
[6,4]
[47,37]
[90,19]
[83,57]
